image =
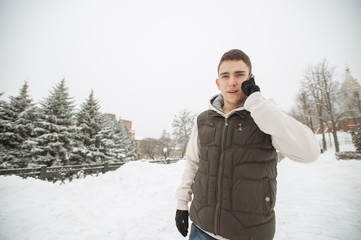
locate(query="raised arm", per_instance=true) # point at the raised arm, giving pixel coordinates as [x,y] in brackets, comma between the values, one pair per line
[295,140]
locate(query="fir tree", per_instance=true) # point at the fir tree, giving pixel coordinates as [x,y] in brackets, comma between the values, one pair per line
[106,137]
[55,133]
[8,136]
[26,124]
[89,123]
[6,128]
[116,145]
[17,124]
[123,147]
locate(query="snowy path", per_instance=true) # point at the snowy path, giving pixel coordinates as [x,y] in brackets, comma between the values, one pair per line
[315,201]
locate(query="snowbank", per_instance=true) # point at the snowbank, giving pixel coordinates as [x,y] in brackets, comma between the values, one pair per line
[315,201]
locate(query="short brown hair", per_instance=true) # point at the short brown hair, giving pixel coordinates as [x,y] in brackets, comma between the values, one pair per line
[236,54]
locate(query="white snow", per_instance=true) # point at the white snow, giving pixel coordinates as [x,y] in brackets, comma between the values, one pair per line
[318,201]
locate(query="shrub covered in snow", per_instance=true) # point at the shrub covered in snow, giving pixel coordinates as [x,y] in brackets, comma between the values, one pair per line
[356,138]
[348,155]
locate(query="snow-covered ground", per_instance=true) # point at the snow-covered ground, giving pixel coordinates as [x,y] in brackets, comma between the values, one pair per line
[318,201]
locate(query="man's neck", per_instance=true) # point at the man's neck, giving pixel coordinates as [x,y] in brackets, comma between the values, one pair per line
[227,108]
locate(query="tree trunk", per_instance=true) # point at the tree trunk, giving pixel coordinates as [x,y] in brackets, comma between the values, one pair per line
[311,124]
[335,138]
[324,143]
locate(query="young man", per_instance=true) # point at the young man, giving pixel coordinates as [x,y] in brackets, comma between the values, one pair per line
[231,159]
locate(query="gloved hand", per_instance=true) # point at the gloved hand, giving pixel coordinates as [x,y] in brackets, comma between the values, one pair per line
[249,86]
[181,220]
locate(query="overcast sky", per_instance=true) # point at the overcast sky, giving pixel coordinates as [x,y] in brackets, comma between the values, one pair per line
[148,60]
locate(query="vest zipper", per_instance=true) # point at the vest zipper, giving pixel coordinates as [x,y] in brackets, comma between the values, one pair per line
[220,182]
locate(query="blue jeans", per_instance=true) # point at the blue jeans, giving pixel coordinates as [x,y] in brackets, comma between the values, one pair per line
[197,234]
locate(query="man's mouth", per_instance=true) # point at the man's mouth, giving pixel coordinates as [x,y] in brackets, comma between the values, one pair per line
[232,91]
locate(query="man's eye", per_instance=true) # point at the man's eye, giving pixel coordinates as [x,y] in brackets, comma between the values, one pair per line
[225,77]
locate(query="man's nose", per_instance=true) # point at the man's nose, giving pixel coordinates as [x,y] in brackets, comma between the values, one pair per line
[232,81]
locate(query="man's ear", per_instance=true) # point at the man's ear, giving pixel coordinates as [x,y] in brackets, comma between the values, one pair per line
[217,82]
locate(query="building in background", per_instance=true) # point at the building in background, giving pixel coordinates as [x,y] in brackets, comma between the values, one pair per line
[143,145]
[349,97]
[126,124]
[350,94]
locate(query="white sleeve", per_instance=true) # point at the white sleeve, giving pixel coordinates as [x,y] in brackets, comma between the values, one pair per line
[295,140]
[184,191]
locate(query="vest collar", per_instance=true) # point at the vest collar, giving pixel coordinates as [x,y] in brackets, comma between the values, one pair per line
[217,102]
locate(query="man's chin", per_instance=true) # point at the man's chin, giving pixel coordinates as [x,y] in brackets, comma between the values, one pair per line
[236,101]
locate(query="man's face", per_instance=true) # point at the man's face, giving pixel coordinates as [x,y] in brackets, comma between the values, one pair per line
[230,78]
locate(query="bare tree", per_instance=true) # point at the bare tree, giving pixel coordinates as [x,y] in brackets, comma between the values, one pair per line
[304,111]
[330,89]
[150,147]
[320,82]
[357,102]
[182,128]
[355,105]
[312,85]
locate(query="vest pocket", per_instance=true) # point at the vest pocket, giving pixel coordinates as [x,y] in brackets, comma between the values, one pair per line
[270,195]
[247,133]
[253,201]
[248,196]
[206,132]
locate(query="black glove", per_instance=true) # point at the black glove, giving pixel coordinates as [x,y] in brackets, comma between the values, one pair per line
[181,220]
[249,86]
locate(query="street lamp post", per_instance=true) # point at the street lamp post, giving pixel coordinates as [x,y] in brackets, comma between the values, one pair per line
[165,153]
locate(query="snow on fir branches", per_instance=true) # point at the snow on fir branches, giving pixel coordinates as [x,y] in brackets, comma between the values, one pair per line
[54,133]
